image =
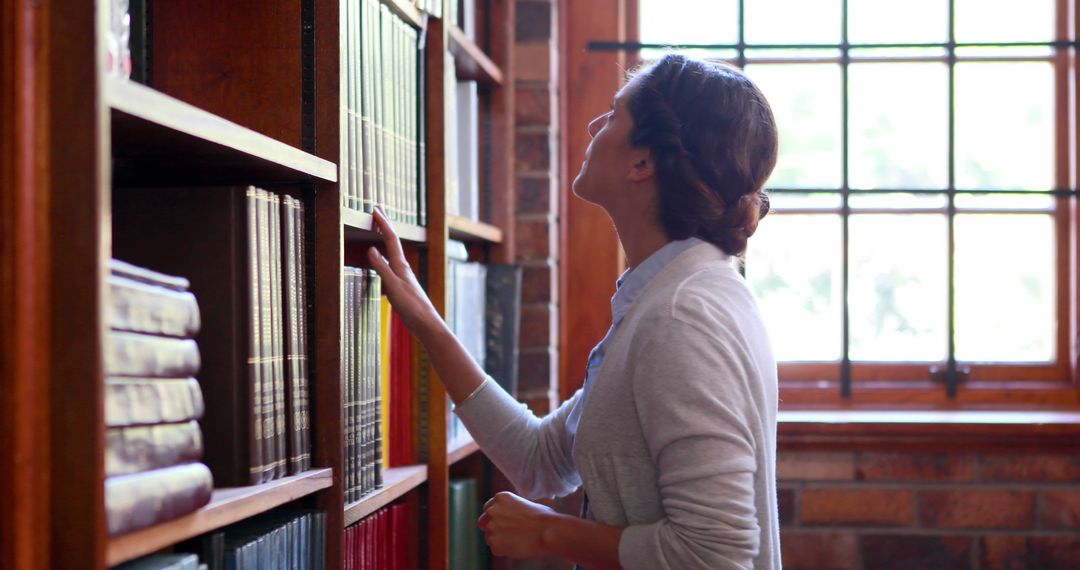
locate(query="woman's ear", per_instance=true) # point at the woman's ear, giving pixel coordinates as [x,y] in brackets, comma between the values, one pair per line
[642,168]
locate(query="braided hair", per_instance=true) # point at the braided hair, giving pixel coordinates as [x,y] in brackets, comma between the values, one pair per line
[713,141]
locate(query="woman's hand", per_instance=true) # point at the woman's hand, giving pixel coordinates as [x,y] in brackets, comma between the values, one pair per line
[516,527]
[408,298]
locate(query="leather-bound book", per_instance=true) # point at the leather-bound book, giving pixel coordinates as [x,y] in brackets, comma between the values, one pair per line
[143,499]
[142,448]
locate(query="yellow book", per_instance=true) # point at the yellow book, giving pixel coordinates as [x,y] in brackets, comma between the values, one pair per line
[384,378]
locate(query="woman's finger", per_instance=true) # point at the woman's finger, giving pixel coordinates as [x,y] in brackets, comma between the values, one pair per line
[390,238]
[382,267]
[483,522]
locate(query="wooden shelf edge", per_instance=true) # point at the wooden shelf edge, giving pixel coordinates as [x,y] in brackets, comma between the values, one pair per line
[470,61]
[154,107]
[464,229]
[406,11]
[358,227]
[461,451]
[397,481]
[227,506]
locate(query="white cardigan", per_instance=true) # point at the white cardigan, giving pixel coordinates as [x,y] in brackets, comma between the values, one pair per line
[677,439]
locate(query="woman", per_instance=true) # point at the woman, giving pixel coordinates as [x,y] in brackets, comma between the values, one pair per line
[673,435]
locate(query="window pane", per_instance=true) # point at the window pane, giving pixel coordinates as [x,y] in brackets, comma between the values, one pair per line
[806,101]
[775,54]
[1005,201]
[793,267]
[897,200]
[710,22]
[779,201]
[1004,21]
[1004,126]
[862,54]
[910,21]
[793,22]
[898,284]
[1005,292]
[898,125]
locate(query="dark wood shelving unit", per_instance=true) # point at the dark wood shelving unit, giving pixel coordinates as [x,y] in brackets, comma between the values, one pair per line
[470,61]
[359,227]
[397,481]
[466,230]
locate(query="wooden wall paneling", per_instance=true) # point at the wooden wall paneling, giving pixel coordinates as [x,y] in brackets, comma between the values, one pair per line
[591,255]
[24,295]
[497,181]
[327,250]
[438,475]
[79,226]
[238,59]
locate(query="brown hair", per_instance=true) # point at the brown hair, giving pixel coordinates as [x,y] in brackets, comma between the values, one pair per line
[713,141]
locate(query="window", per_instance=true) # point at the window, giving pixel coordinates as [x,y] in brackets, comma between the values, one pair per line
[919,247]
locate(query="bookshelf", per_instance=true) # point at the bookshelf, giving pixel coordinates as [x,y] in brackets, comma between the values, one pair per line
[257,103]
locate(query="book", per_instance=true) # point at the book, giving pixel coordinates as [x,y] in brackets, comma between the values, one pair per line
[148,401]
[143,499]
[296,358]
[294,539]
[137,306]
[467,119]
[502,320]
[388,403]
[135,449]
[141,355]
[465,537]
[379,541]
[162,562]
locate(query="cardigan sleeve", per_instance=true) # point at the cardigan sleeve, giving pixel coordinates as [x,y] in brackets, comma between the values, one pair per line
[534,453]
[693,402]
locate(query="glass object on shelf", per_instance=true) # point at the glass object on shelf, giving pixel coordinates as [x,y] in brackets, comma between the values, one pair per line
[1005,288]
[1004,126]
[806,100]
[898,125]
[911,21]
[898,285]
[999,21]
[793,268]
[793,22]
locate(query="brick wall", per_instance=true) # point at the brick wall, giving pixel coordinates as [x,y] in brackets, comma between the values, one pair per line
[929,510]
[536,180]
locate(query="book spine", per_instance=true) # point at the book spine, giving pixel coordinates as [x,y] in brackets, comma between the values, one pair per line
[360,409]
[421,114]
[351,136]
[292,331]
[139,307]
[142,448]
[254,338]
[266,339]
[144,499]
[146,276]
[346,378]
[367,91]
[376,377]
[365,384]
[147,401]
[135,354]
[278,310]
[387,404]
[302,358]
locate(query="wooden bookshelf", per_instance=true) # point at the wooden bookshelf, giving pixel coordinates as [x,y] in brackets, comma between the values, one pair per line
[228,505]
[159,139]
[397,481]
[359,227]
[470,61]
[461,451]
[466,230]
[406,11]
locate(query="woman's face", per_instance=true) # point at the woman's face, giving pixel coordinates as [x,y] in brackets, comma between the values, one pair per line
[609,157]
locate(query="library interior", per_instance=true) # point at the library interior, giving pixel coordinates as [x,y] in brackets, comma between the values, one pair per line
[327,284]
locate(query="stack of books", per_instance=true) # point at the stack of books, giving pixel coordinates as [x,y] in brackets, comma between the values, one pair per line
[152,401]
[382,140]
[244,251]
[379,542]
[401,404]
[362,379]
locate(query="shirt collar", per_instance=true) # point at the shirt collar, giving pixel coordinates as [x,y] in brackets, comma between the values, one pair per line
[633,281]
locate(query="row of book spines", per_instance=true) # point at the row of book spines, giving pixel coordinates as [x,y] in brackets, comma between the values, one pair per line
[294,539]
[363,394]
[383,138]
[380,541]
[277,339]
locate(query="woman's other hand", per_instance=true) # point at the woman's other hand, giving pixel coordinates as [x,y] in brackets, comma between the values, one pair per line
[399,284]
[516,527]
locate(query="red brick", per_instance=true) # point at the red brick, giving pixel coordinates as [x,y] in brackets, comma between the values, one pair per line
[535,371]
[533,238]
[900,552]
[786,502]
[533,22]
[915,467]
[533,62]
[1051,467]
[538,325]
[818,551]
[535,195]
[532,104]
[815,466]
[1011,552]
[854,506]
[1061,509]
[538,283]
[532,152]
[977,508]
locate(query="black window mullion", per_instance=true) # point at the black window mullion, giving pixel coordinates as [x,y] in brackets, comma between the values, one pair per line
[845,208]
[741,46]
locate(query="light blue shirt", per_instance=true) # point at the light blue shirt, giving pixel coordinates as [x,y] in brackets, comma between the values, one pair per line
[627,289]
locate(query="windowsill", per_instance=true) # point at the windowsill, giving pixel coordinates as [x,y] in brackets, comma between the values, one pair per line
[927,429]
